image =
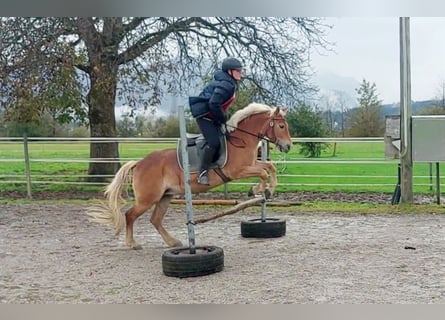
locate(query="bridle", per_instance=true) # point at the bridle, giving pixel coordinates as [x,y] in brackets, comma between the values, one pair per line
[260,135]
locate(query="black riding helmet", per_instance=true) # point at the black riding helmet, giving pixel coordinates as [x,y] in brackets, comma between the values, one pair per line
[231,64]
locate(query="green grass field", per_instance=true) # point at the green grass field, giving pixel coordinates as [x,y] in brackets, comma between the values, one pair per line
[356,167]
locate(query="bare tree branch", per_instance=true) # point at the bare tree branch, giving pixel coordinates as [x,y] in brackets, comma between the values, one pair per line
[137,61]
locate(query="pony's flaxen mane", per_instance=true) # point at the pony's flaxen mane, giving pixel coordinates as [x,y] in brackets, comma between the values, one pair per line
[246,112]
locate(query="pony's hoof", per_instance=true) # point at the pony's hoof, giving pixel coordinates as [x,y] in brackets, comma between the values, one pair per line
[177,243]
[136,247]
[268,194]
[250,192]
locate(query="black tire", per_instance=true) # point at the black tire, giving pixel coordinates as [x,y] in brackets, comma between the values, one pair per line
[180,263]
[259,228]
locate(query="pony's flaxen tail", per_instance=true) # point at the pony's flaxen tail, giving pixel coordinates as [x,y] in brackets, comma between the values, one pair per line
[109,211]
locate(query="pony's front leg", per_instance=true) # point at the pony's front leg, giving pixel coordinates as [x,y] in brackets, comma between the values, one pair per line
[262,186]
[253,171]
[270,168]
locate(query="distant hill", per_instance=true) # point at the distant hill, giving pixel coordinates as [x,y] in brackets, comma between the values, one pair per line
[394,109]
[387,110]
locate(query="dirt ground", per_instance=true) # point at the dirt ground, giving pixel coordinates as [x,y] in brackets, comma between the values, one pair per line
[52,254]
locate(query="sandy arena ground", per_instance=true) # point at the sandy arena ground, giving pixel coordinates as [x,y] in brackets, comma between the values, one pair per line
[53,254]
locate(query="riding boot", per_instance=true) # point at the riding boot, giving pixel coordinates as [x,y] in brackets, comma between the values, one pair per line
[206,159]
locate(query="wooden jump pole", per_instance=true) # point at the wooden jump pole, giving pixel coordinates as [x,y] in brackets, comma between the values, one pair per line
[208,202]
[232,210]
[232,202]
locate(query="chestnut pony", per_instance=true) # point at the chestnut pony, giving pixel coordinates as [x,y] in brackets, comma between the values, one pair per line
[158,177]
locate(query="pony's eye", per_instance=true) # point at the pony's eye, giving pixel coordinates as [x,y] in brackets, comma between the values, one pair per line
[281,126]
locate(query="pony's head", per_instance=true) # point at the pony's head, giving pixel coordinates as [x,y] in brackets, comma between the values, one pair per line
[274,126]
[278,131]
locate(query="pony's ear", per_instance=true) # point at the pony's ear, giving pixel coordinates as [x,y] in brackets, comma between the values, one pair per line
[281,111]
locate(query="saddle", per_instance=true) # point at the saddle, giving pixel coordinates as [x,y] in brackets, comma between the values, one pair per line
[195,144]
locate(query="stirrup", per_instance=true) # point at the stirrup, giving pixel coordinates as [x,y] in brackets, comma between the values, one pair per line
[203,178]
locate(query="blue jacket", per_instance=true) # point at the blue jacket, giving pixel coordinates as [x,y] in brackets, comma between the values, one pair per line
[214,96]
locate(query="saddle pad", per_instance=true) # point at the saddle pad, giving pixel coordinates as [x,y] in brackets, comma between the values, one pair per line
[194,150]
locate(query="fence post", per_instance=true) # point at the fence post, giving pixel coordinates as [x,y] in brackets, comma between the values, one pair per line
[431,176]
[406,155]
[27,170]
[437,183]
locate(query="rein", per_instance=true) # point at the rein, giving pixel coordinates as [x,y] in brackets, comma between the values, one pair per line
[260,136]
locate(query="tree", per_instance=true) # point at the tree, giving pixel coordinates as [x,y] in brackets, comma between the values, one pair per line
[141,125]
[328,103]
[246,94]
[138,60]
[126,126]
[438,107]
[305,122]
[167,127]
[342,103]
[366,120]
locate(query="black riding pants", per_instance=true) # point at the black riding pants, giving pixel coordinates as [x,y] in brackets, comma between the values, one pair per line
[211,131]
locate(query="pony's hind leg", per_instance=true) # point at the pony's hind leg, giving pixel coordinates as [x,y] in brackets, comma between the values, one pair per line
[156,219]
[130,217]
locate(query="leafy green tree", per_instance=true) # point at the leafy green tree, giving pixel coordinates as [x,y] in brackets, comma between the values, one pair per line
[141,125]
[366,120]
[305,122]
[126,127]
[17,129]
[79,131]
[167,127]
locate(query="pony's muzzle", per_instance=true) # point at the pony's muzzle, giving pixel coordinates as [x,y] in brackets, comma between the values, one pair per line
[283,147]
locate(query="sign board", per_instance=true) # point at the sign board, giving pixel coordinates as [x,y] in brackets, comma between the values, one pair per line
[428,138]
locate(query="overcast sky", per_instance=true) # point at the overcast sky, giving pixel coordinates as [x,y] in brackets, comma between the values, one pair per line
[368,48]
